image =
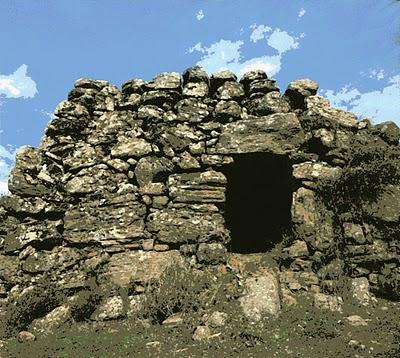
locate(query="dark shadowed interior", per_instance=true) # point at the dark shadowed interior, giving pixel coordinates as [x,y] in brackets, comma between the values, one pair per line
[258,201]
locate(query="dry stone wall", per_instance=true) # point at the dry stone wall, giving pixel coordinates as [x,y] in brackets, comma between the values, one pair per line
[130,180]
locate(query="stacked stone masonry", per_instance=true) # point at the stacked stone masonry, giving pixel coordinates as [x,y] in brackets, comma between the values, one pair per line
[140,172]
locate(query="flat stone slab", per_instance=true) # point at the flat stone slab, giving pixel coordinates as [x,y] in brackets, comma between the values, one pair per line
[118,221]
[206,187]
[278,133]
[185,226]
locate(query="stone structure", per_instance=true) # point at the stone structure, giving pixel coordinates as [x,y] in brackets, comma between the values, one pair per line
[134,179]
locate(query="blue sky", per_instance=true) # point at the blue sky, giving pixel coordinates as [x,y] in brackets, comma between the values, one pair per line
[348,47]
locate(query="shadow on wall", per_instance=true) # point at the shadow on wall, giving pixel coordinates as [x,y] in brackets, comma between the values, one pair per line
[258,201]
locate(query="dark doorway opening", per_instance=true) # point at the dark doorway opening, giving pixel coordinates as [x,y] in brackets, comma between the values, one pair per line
[258,201]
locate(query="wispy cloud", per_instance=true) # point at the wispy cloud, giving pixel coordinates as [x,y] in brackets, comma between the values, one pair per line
[258,32]
[199,15]
[227,54]
[45,113]
[7,153]
[197,47]
[301,13]
[18,84]
[379,105]
[375,73]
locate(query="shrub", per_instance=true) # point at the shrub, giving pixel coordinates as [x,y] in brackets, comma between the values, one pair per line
[369,168]
[36,301]
[389,282]
[84,304]
[179,289]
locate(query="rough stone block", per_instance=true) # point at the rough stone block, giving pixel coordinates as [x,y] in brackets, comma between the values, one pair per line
[261,296]
[213,253]
[90,223]
[278,133]
[387,206]
[173,226]
[126,268]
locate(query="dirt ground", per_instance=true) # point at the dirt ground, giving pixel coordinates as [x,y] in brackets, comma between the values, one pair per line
[300,331]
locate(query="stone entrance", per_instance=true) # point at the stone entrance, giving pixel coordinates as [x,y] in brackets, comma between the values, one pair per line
[258,201]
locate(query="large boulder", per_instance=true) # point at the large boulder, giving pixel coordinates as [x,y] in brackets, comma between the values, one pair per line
[54,320]
[126,268]
[98,178]
[165,81]
[195,74]
[270,103]
[311,221]
[319,114]
[299,90]
[261,297]
[152,169]
[311,172]
[131,147]
[35,233]
[388,131]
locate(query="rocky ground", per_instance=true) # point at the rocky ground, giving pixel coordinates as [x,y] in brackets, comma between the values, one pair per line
[299,332]
[224,312]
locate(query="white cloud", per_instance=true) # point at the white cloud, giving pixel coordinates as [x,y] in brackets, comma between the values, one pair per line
[7,162]
[226,54]
[3,188]
[18,84]
[380,105]
[4,172]
[265,63]
[199,15]
[341,97]
[6,85]
[220,55]
[258,32]
[282,41]
[301,12]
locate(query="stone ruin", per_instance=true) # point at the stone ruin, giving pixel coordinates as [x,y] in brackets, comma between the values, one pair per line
[195,167]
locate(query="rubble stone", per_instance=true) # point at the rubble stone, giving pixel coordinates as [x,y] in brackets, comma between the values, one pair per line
[126,183]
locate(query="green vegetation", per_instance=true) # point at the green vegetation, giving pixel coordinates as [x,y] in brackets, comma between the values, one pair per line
[178,290]
[300,331]
[369,168]
[34,302]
